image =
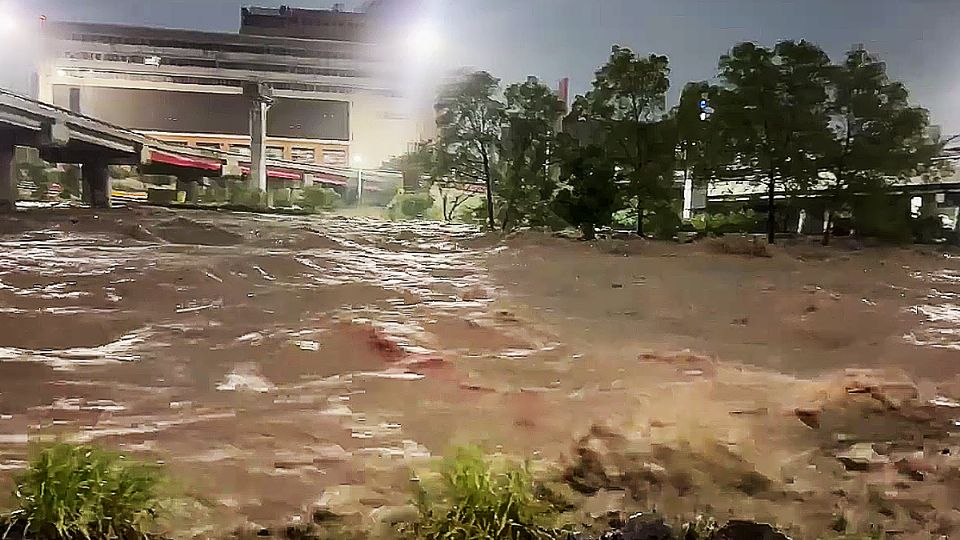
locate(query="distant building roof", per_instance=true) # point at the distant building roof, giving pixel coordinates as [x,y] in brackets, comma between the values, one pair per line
[332,24]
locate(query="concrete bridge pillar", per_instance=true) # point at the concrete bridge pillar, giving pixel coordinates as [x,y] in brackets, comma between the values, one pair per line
[928,205]
[8,178]
[260,97]
[96,183]
[258,146]
[190,186]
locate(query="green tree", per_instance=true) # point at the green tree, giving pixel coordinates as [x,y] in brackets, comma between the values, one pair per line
[469,122]
[775,115]
[588,194]
[878,136]
[527,185]
[316,198]
[628,104]
[428,163]
[416,165]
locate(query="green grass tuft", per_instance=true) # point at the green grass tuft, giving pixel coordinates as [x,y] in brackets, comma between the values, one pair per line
[72,492]
[701,528]
[482,498]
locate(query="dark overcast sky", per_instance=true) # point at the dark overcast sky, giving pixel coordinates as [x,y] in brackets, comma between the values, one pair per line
[920,39]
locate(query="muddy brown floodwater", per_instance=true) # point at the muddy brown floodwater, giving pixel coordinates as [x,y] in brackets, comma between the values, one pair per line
[270,361]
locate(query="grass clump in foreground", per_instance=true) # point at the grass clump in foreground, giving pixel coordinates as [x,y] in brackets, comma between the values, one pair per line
[71,492]
[483,498]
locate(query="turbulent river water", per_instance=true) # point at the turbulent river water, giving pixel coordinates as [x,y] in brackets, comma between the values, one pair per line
[268,360]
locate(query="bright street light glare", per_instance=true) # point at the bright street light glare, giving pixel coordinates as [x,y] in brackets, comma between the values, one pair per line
[8,24]
[423,41]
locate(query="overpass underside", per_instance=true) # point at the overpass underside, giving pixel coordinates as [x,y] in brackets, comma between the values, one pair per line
[65,137]
[58,143]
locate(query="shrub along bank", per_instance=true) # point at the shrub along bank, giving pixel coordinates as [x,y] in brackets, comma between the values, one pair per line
[72,492]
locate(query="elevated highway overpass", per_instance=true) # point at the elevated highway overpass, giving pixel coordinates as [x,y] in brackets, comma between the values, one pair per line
[62,136]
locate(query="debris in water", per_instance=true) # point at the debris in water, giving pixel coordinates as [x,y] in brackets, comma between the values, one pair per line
[308,345]
[862,457]
[245,378]
[252,336]
[193,309]
[397,375]
[941,401]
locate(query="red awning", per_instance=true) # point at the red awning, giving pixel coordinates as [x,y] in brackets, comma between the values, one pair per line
[185,161]
[330,179]
[276,173]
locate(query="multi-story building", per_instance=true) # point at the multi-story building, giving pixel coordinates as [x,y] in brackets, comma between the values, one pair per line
[334,98]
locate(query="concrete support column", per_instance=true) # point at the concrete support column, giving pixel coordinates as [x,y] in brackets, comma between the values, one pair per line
[8,178]
[258,145]
[260,97]
[96,183]
[813,220]
[190,187]
[928,205]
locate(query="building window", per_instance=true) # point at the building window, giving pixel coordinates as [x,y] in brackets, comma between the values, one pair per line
[303,155]
[241,149]
[274,152]
[334,157]
[209,145]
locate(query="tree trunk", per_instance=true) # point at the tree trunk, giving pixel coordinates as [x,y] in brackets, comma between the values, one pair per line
[455,204]
[639,217]
[489,183]
[589,232]
[771,212]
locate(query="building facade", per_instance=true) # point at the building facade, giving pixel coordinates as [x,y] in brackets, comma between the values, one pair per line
[334,103]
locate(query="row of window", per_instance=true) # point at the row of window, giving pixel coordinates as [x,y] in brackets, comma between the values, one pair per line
[313,52]
[255,22]
[211,63]
[297,154]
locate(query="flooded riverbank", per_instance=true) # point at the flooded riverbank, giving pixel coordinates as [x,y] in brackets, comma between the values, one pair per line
[270,361]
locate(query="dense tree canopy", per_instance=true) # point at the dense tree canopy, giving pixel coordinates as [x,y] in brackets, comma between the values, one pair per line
[784,118]
[589,193]
[775,114]
[627,103]
[877,134]
[528,151]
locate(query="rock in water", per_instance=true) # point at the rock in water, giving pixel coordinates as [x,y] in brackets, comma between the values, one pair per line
[642,527]
[181,230]
[748,530]
[862,457]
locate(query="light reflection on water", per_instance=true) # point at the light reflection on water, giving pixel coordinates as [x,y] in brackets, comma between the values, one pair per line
[941,315]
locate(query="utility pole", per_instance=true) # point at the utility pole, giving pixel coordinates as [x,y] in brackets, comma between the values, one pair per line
[706,111]
[358,163]
[359,187]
